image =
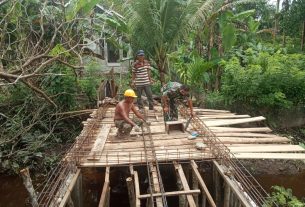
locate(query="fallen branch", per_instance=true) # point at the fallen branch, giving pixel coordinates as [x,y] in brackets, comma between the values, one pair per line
[37,90]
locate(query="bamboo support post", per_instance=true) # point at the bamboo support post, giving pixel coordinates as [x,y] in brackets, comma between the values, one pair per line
[184,183]
[77,193]
[104,201]
[155,180]
[227,195]
[233,186]
[27,181]
[204,200]
[172,193]
[195,186]
[131,191]
[205,191]
[137,189]
[70,202]
[182,198]
[217,187]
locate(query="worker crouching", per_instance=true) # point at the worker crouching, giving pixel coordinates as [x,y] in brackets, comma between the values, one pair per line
[121,115]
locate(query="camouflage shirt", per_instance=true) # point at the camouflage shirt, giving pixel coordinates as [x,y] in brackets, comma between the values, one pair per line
[171,90]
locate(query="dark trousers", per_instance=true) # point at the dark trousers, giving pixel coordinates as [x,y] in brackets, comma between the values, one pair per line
[148,93]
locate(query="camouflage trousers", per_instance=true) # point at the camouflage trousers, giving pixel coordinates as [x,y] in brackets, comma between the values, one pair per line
[172,115]
[124,128]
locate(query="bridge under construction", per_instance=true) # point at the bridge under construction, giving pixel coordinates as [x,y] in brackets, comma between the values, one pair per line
[224,139]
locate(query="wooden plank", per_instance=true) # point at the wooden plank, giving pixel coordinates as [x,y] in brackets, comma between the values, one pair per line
[215,116]
[103,200]
[69,189]
[283,156]
[233,186]
[236,134]
[185,185]
[233,121]
[173,193]
[202,184]
[210,110]
[236,129]
[100,141]
[154,130]
[271,148]
[137,188]
[156,184]
[233,140]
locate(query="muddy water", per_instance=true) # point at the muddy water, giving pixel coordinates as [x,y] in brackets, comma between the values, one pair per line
[12,192]
[295,182]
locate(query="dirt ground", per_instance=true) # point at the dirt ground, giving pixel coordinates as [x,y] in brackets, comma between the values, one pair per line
[274,167]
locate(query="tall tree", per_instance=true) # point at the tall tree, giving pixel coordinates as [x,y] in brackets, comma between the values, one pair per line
[157,26]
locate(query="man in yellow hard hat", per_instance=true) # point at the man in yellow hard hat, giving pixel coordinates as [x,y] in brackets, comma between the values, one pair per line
[121,115]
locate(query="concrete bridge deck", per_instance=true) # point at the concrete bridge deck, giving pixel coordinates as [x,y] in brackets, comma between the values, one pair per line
[240,133]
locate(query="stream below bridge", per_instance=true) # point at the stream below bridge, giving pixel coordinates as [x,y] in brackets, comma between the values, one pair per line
[13,193]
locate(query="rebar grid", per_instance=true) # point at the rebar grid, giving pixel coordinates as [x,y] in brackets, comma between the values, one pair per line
[237,171]
[81,147]
[57,181]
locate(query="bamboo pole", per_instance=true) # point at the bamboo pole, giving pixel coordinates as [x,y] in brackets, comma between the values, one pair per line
[227,196]
[203,186]
[172,193]
[184,183]
[137,189]
[233,186]
[27,181]
[104,201]
[195,186]
[217,187]
[131,191]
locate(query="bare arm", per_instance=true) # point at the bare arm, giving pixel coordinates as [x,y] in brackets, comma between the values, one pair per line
[135,111]
[190,103]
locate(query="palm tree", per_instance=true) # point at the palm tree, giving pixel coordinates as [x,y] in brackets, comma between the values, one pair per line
[157,26]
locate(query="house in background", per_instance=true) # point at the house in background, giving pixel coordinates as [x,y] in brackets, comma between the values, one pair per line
[114,53]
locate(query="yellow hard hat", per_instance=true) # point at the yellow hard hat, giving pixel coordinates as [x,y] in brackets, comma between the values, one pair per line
[130,93]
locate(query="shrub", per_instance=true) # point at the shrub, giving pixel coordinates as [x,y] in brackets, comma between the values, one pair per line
[266,81]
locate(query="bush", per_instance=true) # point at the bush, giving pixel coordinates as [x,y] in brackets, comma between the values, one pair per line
[269,82]
[283,198]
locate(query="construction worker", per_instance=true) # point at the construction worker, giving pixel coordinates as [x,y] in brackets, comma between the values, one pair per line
[141,79]
[174,93]
[121,115]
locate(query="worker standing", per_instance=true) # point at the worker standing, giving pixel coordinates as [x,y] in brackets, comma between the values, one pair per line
[141,79]
[121,115]
[174,93]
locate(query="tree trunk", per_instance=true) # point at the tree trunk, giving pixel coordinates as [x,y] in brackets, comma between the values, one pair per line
[162,67]
[211,42]
[25,174]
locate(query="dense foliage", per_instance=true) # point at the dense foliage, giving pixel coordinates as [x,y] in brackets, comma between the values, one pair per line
[282,197]
[264,81]
[43,47]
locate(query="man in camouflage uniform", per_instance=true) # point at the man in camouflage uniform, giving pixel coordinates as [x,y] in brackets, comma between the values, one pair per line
[174,93]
